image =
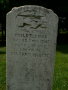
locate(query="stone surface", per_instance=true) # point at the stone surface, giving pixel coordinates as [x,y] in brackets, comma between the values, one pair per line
[31,45]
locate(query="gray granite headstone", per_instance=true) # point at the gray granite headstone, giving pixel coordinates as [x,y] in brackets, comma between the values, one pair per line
[31,45]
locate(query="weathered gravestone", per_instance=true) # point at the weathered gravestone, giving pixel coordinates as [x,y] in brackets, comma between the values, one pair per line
[31,46]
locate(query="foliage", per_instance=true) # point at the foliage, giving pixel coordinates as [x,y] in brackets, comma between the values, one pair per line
[3,3]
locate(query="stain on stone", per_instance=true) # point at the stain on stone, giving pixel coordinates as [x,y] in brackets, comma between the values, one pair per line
[48,84]
[8,88]
[36,26]
[24,24]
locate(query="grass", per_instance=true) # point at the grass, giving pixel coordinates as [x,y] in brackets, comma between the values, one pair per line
[2,68]
[61,68]
[60,74]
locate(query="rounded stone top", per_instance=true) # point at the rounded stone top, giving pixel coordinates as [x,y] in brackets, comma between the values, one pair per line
[34,10]
[33,7]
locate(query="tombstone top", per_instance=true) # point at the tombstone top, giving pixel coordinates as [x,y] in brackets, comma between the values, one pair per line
[34,9]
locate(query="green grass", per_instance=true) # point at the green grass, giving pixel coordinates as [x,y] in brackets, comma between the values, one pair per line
[61,68]
[2,68]
[60,73]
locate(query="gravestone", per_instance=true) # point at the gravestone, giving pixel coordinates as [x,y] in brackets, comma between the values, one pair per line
[31,46]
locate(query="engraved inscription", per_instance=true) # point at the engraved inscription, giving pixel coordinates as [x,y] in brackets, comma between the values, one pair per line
[32,36]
